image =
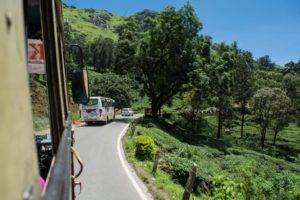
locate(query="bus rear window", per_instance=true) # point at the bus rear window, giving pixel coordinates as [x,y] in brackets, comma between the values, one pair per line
[93,102]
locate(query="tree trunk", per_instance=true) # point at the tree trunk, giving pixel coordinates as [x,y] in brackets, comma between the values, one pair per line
[275,136]
[242,125]
[154,109]
[262,138]
[194,116]
[220,123]
[94,61]
[243,119]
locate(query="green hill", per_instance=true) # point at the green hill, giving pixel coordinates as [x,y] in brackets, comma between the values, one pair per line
[92,23]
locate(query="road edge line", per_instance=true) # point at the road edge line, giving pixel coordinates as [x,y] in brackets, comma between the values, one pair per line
[125,166]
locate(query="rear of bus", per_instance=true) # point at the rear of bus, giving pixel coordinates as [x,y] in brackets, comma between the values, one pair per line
[98,109]
[92,112]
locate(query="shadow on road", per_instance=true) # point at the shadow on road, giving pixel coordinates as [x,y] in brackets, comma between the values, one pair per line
[119,119]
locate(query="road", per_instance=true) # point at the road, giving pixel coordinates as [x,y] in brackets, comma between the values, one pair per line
[104,176]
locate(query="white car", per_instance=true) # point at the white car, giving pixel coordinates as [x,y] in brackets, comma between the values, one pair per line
[127,112]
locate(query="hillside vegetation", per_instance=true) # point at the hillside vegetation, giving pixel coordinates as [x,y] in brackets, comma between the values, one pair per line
[225,168]
[92,23]
[39,101]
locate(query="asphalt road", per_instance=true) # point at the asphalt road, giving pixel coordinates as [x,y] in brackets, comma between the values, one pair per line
[104,177]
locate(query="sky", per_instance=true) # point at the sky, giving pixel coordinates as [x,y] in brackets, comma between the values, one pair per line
[263,27]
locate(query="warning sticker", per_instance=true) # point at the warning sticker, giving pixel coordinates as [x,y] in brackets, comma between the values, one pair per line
[36,57]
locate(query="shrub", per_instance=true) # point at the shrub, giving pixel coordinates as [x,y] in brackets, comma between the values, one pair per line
[224,188]
[179,167]
[150,125]
[145,148]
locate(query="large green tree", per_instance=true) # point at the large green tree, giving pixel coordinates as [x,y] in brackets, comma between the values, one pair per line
[280,112]
[270,107]
[103,54]
[166,54]
[220,72]
[243,83]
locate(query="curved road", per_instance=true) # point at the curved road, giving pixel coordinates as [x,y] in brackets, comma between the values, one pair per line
[104,176]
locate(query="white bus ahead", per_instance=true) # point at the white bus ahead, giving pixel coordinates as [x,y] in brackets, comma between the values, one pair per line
[99,109]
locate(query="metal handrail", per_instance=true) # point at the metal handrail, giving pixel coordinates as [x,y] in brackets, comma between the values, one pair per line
[59,179]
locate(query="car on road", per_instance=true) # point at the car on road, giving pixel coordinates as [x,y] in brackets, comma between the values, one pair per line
[127,112]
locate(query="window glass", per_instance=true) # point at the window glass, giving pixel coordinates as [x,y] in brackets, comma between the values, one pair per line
[104,102]
[93,102]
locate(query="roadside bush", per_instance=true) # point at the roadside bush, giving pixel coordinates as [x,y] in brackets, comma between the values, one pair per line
[224,188]
[179,167]
[145,148]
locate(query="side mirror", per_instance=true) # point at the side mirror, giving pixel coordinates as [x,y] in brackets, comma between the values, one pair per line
[80,89]
[80,86]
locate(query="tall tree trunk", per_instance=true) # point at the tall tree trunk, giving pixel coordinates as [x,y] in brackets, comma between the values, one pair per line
[243,118]
[262,138]
[275,136]
[220,123]
[242,125]
[194,116]
[154,109]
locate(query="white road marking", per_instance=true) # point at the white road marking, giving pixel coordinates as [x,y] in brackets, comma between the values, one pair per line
[124,165]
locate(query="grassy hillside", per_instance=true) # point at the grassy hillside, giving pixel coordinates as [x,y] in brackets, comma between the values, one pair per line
[38,93]
[92,23]
[226,169]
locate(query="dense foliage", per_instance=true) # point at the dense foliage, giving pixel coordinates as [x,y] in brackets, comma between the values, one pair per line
[113,86]
[235,116]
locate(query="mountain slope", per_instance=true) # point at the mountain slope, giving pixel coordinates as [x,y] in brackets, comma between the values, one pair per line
[92,23]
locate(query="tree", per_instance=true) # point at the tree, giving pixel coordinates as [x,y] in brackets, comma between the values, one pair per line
[280,112]
[243,83]
[265,63]
[264,78]
[292,67]
[125,54]
[220,72]
[291,83]
[270,107]
[166,54]
[195,95]
[103,54]
[262,109]
[113,86]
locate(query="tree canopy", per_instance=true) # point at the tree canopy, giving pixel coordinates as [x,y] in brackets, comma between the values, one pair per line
[164,54]
[114,86]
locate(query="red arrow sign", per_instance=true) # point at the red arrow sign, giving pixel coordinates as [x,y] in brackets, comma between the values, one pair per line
[36,57]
